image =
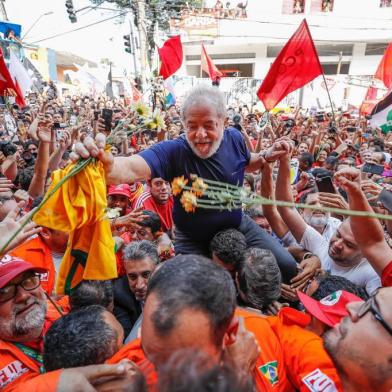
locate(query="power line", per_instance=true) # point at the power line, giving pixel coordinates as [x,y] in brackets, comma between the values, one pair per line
[80,28]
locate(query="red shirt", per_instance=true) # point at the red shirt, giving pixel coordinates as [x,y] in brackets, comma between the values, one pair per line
[386,277]
[165,211]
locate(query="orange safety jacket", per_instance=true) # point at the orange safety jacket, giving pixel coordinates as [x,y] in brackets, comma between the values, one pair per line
[291,358]
[36,252]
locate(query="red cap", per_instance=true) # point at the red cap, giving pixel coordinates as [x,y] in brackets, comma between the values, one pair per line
[11,267]
[331,309]
[122,189]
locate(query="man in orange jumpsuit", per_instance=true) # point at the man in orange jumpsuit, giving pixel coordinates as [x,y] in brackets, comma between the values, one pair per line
[191,303]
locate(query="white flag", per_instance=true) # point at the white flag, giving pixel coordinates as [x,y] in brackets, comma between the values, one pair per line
[19,74]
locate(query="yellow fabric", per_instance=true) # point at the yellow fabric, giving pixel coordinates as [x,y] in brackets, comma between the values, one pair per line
[78,207]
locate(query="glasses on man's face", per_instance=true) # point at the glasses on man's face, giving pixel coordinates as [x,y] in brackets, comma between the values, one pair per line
[371,305]
[8,292]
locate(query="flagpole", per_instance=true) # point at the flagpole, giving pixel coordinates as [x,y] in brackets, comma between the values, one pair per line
[329,97]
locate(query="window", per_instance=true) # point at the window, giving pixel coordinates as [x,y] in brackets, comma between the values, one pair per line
[375,49]
[293,6]
[327,6]
[385,3]
[321,6]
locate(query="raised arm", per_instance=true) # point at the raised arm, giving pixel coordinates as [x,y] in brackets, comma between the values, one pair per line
[119,170]
[37,185]
[368,232]
[271,212]
[290,216]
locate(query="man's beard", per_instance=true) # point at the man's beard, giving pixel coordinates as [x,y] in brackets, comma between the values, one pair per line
[214,147]
[317,221]
[26,324]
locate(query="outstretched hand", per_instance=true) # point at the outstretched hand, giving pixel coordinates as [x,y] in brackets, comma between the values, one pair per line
[94,148]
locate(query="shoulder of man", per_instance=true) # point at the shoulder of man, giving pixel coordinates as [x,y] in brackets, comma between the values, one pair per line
[133,351]
[308,364]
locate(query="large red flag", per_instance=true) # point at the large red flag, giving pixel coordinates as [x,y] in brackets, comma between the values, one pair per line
[171,56]
[296,65]
[384,70]
[7,85]
[208,66]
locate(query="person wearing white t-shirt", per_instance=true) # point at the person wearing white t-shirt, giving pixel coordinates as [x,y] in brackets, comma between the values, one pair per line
[342,255]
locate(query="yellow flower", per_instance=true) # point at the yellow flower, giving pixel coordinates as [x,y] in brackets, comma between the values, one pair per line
[199,187]
[142,110]
[178,185]
[189,201]
[158,120]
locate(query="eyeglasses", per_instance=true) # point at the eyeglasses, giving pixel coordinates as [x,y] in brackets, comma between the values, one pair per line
[371,305]
[28,284]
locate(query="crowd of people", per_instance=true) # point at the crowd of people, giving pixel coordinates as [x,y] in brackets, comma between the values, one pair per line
[267,297]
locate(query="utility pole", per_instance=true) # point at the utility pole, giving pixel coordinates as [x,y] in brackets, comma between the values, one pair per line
[141,26]
[3,11]
[133,43]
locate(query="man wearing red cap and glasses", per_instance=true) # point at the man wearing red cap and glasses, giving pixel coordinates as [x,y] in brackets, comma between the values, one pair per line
[24,319]
[327,312]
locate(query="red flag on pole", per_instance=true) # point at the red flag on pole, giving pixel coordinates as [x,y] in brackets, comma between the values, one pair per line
[208,66]
[171,56]
[384,70]
[7,85]
[296,65]
[369,102]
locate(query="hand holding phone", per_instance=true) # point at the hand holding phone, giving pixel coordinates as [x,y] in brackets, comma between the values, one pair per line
[325,184]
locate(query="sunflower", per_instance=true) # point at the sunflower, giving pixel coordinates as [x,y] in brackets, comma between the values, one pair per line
[178,185]
[189,201]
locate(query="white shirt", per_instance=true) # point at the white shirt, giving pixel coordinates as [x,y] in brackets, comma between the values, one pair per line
[329,230]
[361,274]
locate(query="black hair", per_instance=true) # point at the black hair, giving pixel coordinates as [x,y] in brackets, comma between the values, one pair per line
[91,292]
[80,338]
[307,157]
[259,278]
[229,245]
[25,177]
[328,284]
[192,282]
[192,370]
[30,142]
[153,221]
[251,181]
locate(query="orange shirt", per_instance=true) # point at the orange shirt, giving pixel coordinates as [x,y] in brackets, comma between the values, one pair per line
[20,371]
[291,357]
[301,362]
[36,252]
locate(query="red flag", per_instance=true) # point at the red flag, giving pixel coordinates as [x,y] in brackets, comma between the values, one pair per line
[208,66]
[171,56]
[369,102]
[7,85]
[384,70]
[296,65]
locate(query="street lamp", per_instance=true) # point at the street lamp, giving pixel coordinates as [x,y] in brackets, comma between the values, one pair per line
[38,19]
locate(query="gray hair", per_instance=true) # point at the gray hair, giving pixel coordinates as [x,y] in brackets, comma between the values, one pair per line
[139,250]
[260,278]
[203,94]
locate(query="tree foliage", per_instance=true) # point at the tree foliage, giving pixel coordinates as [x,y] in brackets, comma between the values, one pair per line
[158,12]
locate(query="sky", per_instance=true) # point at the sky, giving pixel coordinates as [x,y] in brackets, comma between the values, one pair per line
[105,40]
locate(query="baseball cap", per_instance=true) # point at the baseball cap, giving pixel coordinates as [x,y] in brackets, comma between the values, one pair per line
[122,189]
[331,309]
[11,267]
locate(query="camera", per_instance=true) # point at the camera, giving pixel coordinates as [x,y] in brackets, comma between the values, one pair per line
[7,148]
